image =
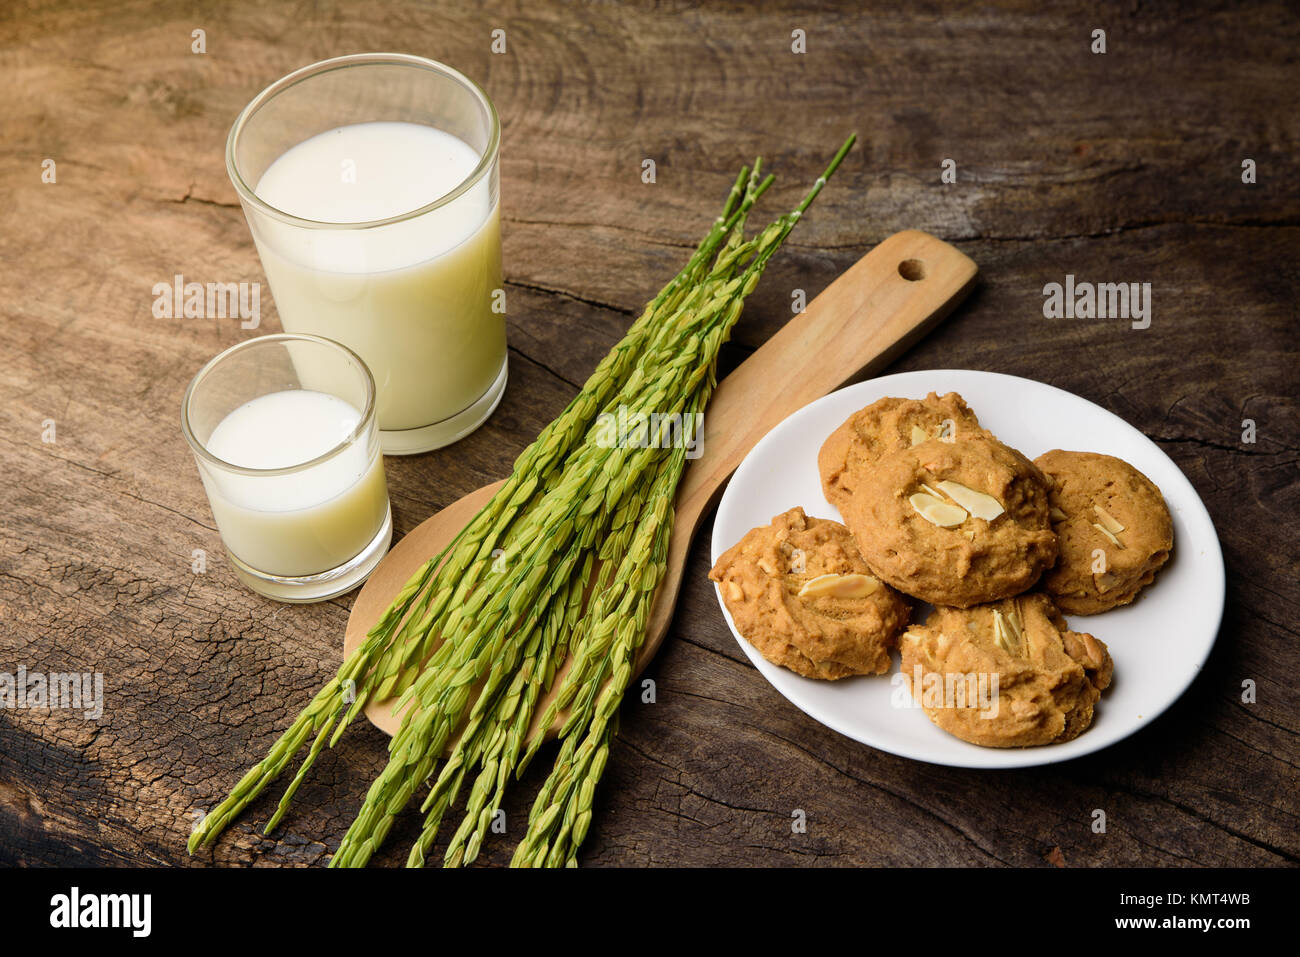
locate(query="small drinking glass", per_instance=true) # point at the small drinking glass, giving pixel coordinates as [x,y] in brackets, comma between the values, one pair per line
[284,432]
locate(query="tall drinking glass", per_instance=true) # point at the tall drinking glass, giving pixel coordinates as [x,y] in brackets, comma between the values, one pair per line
[370,185]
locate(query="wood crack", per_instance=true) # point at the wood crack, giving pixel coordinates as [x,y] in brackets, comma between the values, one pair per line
[596,303]
[543,366]
[619,227]
[1246,744]
[189,197]
[1200,816]
[1111,231]
[1221,446]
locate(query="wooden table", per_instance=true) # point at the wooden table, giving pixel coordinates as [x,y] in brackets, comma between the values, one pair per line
[1122,166]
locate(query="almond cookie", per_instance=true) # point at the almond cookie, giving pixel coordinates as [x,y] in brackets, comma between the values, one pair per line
[954,523]
[1005,675]
[1114,529]
[883,427]
[800,593]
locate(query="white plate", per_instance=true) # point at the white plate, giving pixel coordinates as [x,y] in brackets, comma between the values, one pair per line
[1159,643]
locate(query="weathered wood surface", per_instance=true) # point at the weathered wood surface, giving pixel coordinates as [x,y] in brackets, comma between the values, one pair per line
[1117,167]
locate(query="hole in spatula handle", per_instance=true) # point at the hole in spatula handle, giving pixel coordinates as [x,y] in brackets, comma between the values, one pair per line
[911,269]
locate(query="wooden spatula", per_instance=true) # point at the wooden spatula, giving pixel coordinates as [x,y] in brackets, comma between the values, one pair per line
[859,324]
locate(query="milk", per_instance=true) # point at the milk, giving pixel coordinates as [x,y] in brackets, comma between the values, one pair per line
[414,298]
[306,521]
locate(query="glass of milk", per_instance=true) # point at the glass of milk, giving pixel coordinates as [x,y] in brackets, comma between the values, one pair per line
[370,185]
[284,432]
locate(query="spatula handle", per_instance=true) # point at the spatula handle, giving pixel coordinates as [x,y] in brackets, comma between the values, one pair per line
[864,319]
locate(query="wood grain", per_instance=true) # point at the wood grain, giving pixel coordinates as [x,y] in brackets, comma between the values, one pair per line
[1117,167]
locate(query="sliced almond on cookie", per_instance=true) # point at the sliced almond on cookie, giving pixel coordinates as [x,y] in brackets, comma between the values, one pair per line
[735,592]
[1013,617]
[1114,541]
[979,504]
[1107,521]
[1056,515]
[919,435]
[936,511]
[1002,633]
[839,586]
[1008,631]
